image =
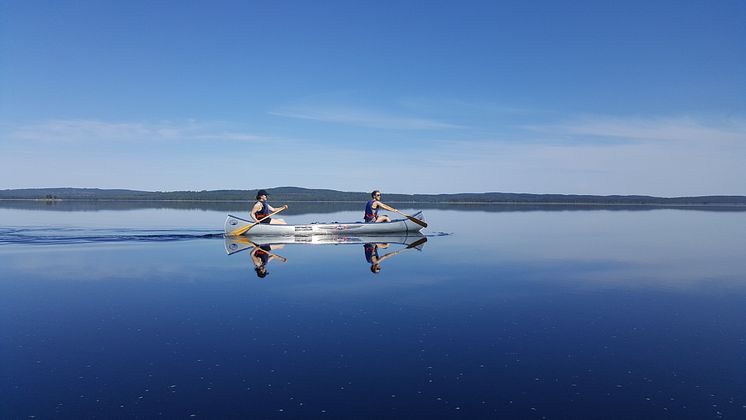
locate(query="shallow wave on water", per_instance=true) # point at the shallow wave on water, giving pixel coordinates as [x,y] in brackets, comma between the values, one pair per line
[62,236]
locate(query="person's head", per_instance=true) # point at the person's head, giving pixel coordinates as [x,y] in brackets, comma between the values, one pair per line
[261,195]
[375,194]
[261,271]
[375,268]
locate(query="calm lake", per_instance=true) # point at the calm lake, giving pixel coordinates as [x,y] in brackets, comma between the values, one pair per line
[125,310]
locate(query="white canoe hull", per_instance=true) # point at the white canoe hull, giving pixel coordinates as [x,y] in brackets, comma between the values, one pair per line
[347,229]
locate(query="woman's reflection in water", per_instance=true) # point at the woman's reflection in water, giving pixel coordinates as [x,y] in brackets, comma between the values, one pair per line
[262,255]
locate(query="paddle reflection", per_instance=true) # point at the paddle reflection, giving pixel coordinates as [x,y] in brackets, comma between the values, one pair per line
[377,249]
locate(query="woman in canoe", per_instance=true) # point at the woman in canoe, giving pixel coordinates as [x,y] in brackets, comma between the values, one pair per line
[371,209]
[261,210]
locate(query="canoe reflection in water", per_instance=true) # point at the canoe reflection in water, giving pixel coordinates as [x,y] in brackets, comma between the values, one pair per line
[263,249]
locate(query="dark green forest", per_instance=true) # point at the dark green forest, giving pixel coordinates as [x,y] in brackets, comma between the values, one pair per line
[296,194]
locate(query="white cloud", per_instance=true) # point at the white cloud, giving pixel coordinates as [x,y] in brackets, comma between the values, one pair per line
[84,130]
[664,157]
[674,129]
[364,118]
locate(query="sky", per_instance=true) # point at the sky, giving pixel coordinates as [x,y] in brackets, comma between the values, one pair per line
[572,97]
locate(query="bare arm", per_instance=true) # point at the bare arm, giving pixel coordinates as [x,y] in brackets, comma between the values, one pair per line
[389,255]
[255,209]
[272,209]
[383,206]
[275,256]
[270,256]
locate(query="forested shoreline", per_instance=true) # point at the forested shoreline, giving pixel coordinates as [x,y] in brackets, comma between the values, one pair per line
[297,194]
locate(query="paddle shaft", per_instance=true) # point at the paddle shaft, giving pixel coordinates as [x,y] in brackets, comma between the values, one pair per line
[418,221]
[242,230]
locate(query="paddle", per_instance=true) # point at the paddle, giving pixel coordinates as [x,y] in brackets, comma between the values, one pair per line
[416,243]
[418,221]
[242,230]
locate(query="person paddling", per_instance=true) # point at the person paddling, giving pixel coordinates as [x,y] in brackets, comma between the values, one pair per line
[261,209]
[371,209]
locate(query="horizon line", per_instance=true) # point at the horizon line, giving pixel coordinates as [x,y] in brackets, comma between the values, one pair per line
[367,192]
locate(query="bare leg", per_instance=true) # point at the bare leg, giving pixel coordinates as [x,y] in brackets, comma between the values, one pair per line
[383,218]
[277,222]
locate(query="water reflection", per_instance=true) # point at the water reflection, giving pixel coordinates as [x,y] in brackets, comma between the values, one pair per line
[261,255]
[372,252]
[513,315]
[377,249]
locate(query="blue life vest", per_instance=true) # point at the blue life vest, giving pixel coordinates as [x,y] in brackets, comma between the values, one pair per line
[370,251]
[263,253]
[261,214]
[370,214]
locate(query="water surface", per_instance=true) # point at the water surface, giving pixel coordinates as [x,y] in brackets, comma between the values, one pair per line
[585,313]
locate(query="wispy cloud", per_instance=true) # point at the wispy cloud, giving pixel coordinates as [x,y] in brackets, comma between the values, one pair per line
[453,106]
[96,130]
[363,118]
[668,157]
[642,129]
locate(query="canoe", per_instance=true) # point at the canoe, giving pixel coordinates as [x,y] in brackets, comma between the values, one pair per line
[234,244]
[355,228]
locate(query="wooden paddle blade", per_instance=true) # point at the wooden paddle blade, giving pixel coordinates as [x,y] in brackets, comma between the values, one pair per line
[418,221]
[417,243]
[414,219]
[240,231]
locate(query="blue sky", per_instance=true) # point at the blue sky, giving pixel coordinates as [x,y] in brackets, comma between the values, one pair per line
[589,97]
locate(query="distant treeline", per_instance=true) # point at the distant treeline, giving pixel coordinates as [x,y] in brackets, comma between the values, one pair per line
[305,207]
[290,194]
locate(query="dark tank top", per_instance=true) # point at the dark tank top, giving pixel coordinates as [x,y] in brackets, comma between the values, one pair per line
[370,214]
